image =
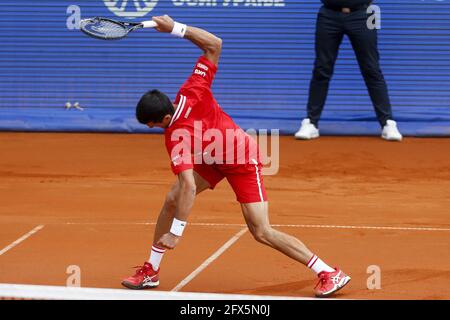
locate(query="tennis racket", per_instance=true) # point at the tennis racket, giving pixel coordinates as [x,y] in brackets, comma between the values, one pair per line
[108,29]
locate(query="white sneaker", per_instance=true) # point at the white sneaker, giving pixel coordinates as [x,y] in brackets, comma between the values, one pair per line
[307,131]
[390,131]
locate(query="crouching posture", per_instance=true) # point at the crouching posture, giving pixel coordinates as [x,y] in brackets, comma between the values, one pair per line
[185,121]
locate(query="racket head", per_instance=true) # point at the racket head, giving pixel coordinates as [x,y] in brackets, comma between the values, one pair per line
[105,29]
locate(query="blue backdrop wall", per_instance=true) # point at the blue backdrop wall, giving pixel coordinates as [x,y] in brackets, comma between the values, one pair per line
[264,71]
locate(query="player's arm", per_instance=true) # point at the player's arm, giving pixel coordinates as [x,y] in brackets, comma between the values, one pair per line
[185,201]
[206,41]
[186,195]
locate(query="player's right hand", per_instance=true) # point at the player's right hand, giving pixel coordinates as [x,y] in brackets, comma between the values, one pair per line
[165,23]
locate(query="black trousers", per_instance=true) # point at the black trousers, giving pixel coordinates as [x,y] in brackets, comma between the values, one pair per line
[331,26]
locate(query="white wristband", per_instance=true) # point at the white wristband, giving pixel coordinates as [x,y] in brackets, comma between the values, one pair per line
[178,227]
[148,24]
[179,29]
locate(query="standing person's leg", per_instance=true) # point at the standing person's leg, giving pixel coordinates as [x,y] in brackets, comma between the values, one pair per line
[329,34]
[365,44]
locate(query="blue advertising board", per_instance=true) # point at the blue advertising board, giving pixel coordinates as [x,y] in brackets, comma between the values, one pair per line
[264,71]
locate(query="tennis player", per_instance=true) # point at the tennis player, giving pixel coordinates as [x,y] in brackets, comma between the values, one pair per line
[187,122]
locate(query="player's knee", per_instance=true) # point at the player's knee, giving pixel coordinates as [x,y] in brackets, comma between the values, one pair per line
[263,234]
[171,201]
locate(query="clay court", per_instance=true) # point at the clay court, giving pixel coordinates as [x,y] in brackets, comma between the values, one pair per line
[91,200]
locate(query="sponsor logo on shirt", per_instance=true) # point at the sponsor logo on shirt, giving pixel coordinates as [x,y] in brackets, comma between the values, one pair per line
[199,72]
[202,66]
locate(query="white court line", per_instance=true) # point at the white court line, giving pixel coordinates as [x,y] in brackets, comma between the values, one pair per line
[363,227]
[213,257]
[76,293]
[275,225]
[21,239]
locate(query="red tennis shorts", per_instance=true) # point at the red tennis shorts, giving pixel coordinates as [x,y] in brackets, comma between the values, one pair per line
[245,179]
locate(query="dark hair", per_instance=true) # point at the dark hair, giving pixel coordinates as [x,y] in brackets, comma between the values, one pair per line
[153,107]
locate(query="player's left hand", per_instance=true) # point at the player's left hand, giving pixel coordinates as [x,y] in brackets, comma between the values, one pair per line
[168,241]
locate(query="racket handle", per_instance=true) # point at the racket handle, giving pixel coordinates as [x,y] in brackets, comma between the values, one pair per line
[149,24]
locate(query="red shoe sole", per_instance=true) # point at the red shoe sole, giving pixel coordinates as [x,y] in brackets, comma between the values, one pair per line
[139,287]
[334,291]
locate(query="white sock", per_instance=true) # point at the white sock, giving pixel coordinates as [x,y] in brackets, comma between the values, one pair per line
[317,265]
[156,256]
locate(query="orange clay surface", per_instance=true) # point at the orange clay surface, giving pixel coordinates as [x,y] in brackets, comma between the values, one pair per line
[97,195]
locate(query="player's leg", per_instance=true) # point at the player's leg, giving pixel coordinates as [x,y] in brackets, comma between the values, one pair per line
[248,185]
[206,177]
[167,212]
[247,182]
[256,216]
[147,276]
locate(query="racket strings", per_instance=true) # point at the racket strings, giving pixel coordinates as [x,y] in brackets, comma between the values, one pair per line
[105,29]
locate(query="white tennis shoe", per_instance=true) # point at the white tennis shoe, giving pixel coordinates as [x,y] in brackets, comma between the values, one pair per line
[307,131]
[390,131]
